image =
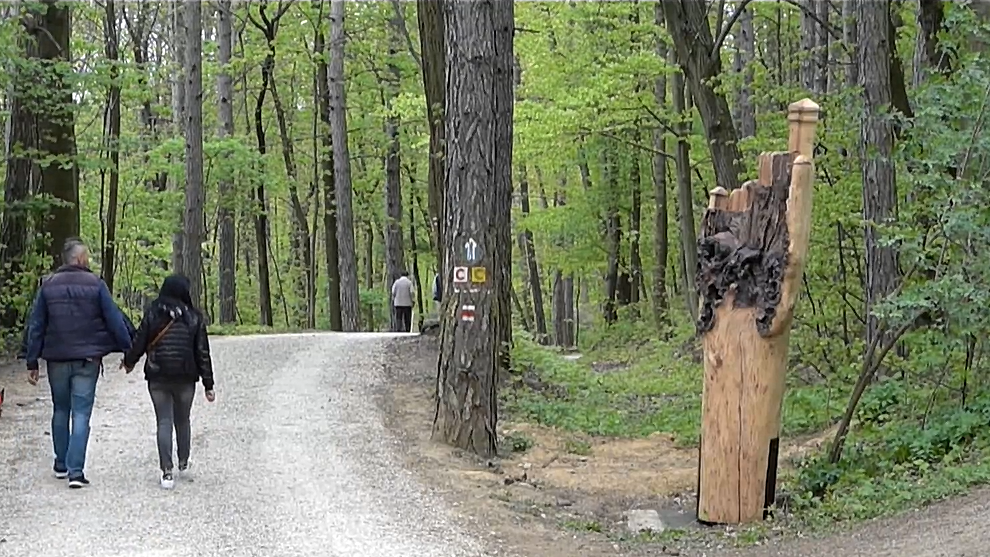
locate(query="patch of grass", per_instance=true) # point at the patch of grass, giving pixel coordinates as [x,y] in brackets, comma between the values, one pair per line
[245,330]
[577,446]
[583,525]
[634,390]
[517,443]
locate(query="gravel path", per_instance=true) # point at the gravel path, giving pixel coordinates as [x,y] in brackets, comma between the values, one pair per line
[292,460]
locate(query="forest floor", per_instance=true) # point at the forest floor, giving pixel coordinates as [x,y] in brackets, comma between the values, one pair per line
[552,494]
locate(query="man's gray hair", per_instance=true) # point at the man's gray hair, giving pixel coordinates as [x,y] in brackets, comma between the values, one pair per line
[73,251]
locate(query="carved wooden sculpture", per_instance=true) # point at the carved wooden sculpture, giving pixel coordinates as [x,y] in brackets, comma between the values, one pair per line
[751,254]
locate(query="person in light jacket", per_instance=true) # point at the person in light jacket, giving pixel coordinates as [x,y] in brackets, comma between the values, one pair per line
[402,303]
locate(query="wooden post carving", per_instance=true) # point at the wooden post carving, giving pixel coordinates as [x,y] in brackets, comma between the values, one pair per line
[751,254]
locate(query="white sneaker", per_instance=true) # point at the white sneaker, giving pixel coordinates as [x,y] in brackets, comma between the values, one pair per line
[168,480]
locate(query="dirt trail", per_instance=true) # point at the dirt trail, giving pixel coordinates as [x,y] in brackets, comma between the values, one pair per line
[552,502]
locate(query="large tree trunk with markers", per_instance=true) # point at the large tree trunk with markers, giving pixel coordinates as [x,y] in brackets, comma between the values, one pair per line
[194,226]
[329,192]
[434,52]
[350,304]
[478,156]
[227,233]
[752,250]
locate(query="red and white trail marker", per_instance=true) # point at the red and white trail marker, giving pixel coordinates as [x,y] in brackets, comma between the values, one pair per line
[467,314]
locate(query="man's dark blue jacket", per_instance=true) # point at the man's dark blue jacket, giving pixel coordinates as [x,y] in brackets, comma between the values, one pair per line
[73,318]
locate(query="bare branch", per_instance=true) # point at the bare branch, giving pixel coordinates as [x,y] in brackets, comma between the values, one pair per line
[724,30]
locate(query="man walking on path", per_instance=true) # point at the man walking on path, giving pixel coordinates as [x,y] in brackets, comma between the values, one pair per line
[74,323]
[402,303]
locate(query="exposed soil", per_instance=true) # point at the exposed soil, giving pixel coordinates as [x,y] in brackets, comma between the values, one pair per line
[562,493]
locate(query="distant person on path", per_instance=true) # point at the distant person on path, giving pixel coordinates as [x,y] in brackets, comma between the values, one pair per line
[173,335]
[437,289]
[74,323]
[402,302]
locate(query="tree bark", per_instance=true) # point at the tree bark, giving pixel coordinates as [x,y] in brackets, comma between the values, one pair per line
[112,131]
[178,44]
[347,256]
[504,19]
[227,233]
[635,226]
[699,59]
[745,57]
[850,36]
[329,193]
[928,54]
[613,237]
[532,269]
[661,242]
[22,179]
[471,332]
[433,46]
[394,252]
[261,207]
[194,222]
[685,199]
[56,129]
[876,155]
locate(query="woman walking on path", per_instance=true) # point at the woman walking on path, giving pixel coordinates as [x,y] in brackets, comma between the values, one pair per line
[173,335]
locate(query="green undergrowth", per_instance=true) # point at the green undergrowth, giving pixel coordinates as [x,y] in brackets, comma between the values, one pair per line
[895,459]
[245,330]
[627,384]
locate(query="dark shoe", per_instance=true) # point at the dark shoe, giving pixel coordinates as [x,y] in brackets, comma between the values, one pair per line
[168,480]
[184,466]
[78,482]
[60,474]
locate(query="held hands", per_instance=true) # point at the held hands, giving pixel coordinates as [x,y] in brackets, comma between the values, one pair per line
[211,396]
[33,375]
[125,368]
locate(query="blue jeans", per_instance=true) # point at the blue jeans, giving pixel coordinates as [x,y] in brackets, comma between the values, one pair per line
[73,387]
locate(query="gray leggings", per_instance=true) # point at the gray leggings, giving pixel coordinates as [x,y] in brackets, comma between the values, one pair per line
[173,402]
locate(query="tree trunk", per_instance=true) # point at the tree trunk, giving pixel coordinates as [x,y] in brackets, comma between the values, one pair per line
[876,155]
[467,374]
[635,225]
[112,131]
[685,199]
[613,237]
[823,68]
[194,225]
[261,201]
[394,252]
[563,297]
[329,193]
[349,299]
[928,54]
[227,232]
[746,56]
[809,46]
[850,36]
[56,129]
[699,59]
[660,238]
[22,179]
[504,19]
[532,269]
[369,273]
[178,44]
[433,46]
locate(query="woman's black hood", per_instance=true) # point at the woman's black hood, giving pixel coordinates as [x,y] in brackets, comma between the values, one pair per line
[176,287]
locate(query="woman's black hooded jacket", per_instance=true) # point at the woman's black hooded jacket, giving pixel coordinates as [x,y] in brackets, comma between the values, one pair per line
[182,351]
